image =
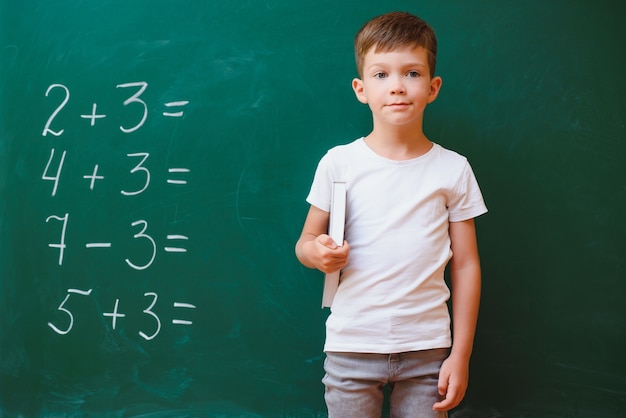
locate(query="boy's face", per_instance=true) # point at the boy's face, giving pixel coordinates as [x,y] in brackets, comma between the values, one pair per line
[397,85]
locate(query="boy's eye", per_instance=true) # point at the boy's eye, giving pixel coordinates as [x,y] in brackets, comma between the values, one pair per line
[380,75]
[413,74]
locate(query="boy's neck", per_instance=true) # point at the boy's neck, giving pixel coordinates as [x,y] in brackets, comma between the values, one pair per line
[398,143]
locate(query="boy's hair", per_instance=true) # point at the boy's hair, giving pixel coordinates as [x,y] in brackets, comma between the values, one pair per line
[395,30]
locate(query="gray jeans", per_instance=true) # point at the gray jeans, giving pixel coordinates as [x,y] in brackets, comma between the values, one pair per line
[355,384]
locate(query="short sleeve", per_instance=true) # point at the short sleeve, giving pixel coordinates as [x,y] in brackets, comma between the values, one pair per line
[468,201]
[321,188]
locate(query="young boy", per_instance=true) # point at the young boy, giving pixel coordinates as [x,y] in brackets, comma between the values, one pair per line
[410,210]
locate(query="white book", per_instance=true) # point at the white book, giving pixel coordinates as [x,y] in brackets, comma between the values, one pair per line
[336,227]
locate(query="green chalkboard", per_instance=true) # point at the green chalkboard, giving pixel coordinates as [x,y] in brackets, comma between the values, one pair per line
[155,157]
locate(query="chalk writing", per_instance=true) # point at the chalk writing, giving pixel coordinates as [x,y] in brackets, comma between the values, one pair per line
[139,168]
[176,171]
[144,239]
[135,115]
[185,306]
[115,314]
[135,99]
[93,177]
[60,245]
[177,114]
[69,314]
[148,311]
[66,321]
[143,235]
[93,116]
[176,249]
[55,179]
[54,114]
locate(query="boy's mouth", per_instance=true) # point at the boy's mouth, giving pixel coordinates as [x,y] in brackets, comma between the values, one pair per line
[398,105]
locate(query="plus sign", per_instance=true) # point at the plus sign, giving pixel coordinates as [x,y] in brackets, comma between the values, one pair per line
[114,314]
[93,177]
[94,115]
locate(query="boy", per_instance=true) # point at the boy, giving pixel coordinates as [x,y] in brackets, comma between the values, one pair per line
[410,210]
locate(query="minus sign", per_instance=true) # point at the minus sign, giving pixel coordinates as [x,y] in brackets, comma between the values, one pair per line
[181,322]
[99,245]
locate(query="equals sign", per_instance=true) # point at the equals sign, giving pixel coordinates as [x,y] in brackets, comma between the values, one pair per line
[176,171]
[183,321]
[175,104]
[176,249]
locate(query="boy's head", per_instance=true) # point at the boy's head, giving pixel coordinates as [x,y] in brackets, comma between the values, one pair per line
[393,31]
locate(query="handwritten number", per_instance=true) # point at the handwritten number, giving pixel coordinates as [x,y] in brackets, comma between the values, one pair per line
[148,311]
[61,245]
[47,129]
[50,175]
[139,167]
[149,238]
[135,99]
[69,314]
[45,175]
[61,308]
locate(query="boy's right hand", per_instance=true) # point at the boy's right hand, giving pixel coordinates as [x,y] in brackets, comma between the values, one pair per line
[325,255]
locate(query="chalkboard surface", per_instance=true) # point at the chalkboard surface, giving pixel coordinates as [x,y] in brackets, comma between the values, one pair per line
[155,157]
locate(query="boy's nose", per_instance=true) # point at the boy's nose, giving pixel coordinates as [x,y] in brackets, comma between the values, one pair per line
[397,86]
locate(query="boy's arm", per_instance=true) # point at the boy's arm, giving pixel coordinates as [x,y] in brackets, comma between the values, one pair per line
[315,249]
[466,281]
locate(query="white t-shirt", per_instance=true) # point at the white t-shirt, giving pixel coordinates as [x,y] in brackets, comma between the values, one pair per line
[392,294]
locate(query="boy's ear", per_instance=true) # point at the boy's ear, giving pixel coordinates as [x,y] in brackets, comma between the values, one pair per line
[435,86]
[359,91]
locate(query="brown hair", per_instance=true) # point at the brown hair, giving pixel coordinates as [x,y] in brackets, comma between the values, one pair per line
[394,30]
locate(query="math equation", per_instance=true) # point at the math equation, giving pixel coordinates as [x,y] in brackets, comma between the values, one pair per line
[138,166]
[118,314]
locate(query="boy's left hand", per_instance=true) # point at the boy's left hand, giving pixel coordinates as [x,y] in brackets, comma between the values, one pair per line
[453,381]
